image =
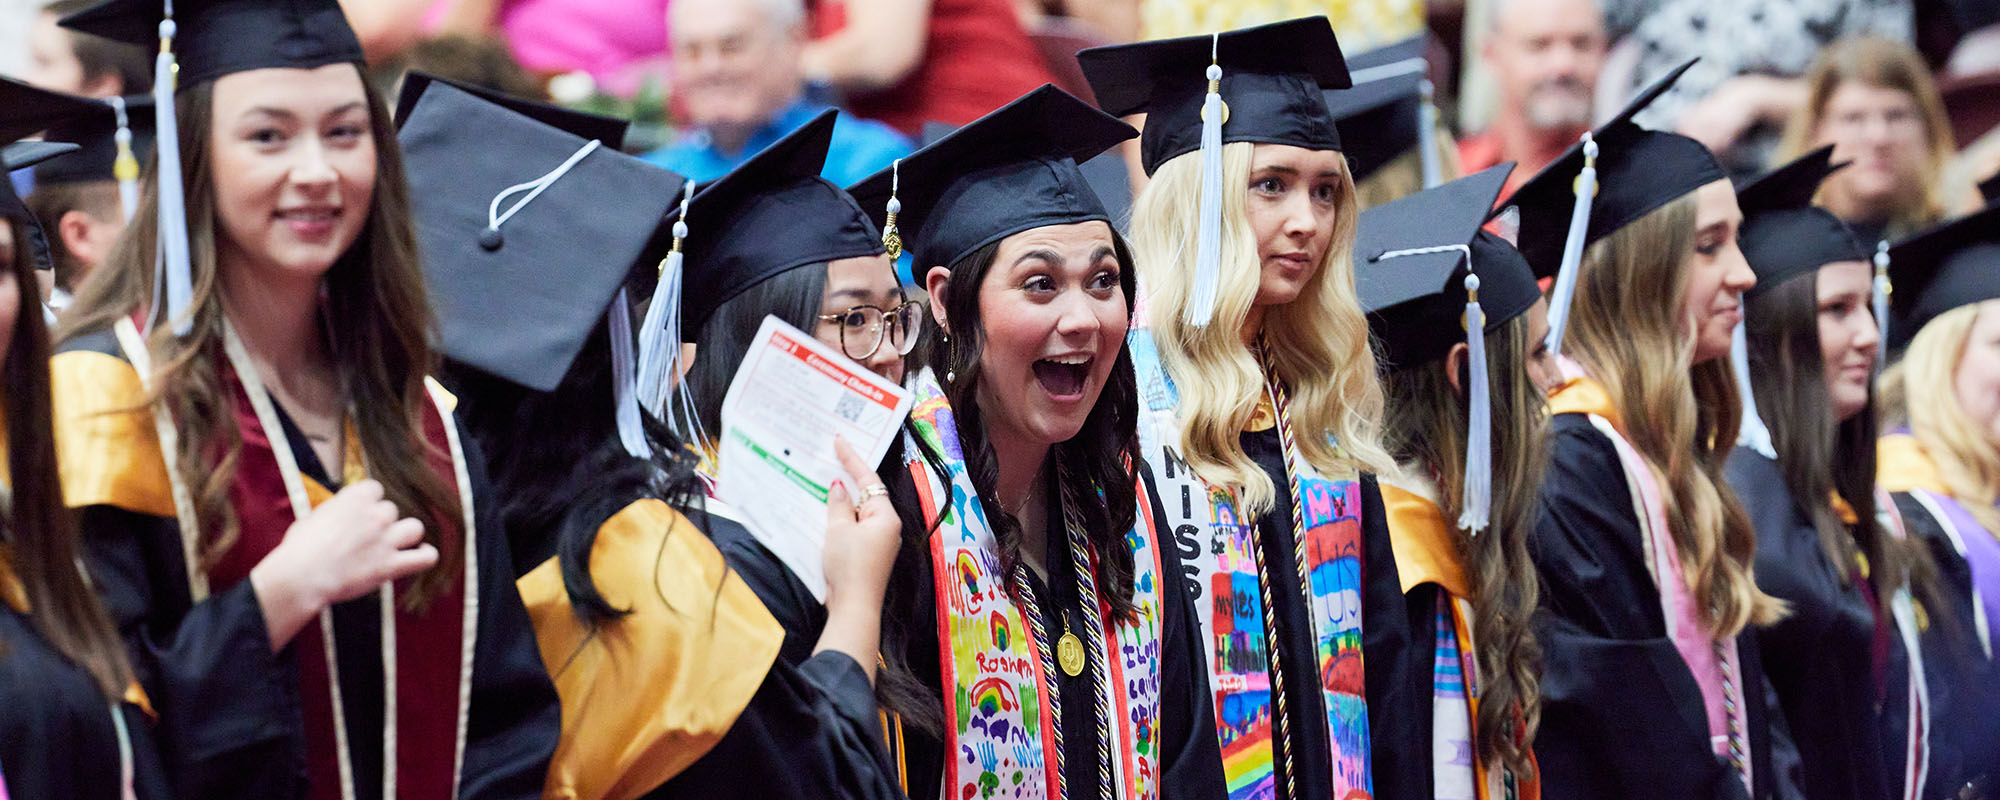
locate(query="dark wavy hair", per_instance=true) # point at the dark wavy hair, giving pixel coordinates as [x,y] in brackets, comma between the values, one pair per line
[37,527]
[559,470]
[1100,457]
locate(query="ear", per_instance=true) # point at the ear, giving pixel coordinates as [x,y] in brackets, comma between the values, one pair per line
[1454,363]
[935,282]
[75,229]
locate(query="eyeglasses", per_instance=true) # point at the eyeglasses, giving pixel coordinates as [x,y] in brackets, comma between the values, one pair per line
[863,328]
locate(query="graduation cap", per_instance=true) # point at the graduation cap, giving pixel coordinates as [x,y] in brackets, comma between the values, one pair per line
[1270,82]
[1952,265]
[1388,112]
[530,232]
[21,155]
[1429,278]
[1990,188]
[1784,235]
[213,38]
[609,130]
[1617,174]
[1009,171]
[770,215]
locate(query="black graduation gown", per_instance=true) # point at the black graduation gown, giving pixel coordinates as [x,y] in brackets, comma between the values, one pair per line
[57,737]
[1395,655]
[1191,760]
[1821,658]
[809,731]
[1622,716]
[1964,685]
[230,719]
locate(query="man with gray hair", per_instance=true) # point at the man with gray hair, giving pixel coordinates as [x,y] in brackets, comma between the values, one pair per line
[1544,57]
[740,86]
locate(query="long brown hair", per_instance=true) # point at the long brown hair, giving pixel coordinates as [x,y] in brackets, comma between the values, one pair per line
[379,327]
[1627,330]
[39,529]
[1426,431]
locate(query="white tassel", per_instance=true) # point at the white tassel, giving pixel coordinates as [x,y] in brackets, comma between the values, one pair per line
[1208,234]
[1579,228]
[660,334]
[1881,293]
[1478,499]
[1427,120]
[1752,433]
[624,390]
[177,276]
[126,167]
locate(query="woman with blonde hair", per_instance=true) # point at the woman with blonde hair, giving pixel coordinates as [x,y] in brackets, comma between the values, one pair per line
[1649,687]
[1941,464]
[1261,407]
[1467,423]
[1877,104]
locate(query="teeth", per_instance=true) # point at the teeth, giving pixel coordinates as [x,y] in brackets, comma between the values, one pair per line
[1071,360]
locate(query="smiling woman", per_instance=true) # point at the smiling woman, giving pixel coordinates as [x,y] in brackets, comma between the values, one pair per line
[272,496]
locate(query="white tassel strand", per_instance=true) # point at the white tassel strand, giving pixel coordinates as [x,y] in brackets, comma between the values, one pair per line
[660,334]
[1579,228]
[1752,433]
[1208,233]
[624,389]
[1427,121]
[125,168]
[176,279]
[1880,296]
[1477,502]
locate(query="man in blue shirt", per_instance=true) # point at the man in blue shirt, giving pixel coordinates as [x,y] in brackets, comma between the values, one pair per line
[739,80]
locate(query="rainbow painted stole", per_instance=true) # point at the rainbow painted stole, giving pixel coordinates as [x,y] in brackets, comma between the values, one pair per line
[998,722]
[1205,521]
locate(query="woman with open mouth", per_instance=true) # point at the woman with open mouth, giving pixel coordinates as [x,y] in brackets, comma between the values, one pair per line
[1942,406]
[1828,541]
[1262,410]
[1037,636]
[1651,685]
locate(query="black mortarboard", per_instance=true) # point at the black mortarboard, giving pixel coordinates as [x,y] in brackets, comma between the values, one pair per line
[1990,188]
[1380,118]
[1411,278]
[609,130]
[573,222]
[1784,235]
[1009,171]
[27,110]
[1638,171]
[1952,265]
[97,135]
[1272,77]
[771,214]
[214,38]
[20,155]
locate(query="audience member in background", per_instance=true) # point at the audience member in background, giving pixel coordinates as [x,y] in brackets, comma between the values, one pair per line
[1544,57]
[738,78]
[77,197]
[80,63]
[620,43]
[1752,53]
[908,62]
[1875,102]
[1362,24]
[481,61]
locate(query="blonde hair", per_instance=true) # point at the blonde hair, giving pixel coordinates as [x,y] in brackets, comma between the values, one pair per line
[1628,331]
[1318,343]
[1921,387]
[1885,64]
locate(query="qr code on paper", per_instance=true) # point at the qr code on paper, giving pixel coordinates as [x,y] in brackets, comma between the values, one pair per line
[849,407]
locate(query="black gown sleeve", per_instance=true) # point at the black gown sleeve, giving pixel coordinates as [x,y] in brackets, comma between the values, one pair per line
[1621,715]
[1395,660]
[514,719]
[1964,684]
[230,723]
[57,736]
[782,593]
[1190,753]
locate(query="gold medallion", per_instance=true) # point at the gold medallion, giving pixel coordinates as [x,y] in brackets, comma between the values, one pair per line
[1069,653]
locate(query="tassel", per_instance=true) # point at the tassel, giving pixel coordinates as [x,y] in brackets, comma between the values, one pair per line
[1427,120]
[1478,499]
[1752,433]
[659,336]
[892,239]
[1208,235]
[125,168]
[1881,293]
[624,388]
[1579,229]
[176,274]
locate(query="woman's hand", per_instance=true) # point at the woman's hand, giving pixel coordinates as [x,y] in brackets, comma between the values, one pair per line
[861,544]
[347,547]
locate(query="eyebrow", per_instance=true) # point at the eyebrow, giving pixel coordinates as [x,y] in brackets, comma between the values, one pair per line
[287,113]
[1101,253]
[1046,255]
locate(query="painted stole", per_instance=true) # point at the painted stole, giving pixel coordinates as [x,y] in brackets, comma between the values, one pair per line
[423,735]
[1713,662]
[1002,726]
[1235,623]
